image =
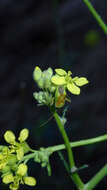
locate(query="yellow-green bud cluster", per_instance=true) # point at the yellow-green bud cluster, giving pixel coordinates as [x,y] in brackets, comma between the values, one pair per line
[13,170]
[44,97]
[43,79]
[17,147]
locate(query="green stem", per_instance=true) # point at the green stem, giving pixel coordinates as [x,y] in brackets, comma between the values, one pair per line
[64,161]
[66,140]
[96,16]
[28,157]
[79,143]
[56,148]
[75,177]
[96,179]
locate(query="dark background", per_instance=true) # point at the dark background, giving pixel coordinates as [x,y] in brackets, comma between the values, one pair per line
[54,34]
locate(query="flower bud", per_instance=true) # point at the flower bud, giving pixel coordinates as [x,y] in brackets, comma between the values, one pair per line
[9,137]
[41,83]
[50,71]
[8,178]
[37,73]
[23,135]
[22,169]
[30,181]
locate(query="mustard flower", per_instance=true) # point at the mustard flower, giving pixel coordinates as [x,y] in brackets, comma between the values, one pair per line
[20,178]
[63,78]
[18,147]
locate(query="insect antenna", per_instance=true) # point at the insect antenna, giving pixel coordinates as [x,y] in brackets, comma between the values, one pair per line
[43,124]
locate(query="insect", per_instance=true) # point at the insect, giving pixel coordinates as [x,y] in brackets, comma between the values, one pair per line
[60,97]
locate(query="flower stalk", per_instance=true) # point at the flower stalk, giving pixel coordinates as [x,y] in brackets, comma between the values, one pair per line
[96,16]
[79,143]
[56,148]
[96,179]
[75,177]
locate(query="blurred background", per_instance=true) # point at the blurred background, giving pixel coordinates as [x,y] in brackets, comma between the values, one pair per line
[54,34]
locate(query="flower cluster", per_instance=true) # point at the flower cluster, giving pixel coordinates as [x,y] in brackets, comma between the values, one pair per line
[62,78]
[54,87]
[13,170]
[43,79]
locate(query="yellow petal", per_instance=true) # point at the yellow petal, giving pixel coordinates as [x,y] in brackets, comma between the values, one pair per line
[81,81]
[37,68]
[9,137]
[73,88]
[23,135]
[8,178]
[57,80]
[61,72]
[37,73]
[30,181]
[22,169]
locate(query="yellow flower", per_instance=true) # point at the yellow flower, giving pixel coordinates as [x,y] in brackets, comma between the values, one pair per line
[9,137]
[20,178]
[37,73]
[22,169]
[8,178]
[62,78]
[23,135]
[29,181]
[19,147]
